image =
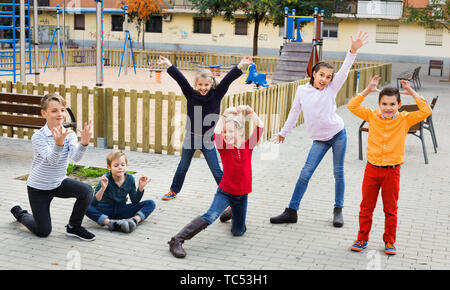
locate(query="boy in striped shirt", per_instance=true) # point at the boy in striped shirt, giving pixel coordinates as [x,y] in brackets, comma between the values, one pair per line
[53,145]
[385,152]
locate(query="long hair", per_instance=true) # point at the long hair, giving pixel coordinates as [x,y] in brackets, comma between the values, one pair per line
[317,67]
[206,74]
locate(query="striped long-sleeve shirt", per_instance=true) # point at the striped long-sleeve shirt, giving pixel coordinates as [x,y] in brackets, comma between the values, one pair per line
[50,161]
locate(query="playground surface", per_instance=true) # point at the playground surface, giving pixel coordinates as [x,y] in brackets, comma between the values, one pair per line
[423,235]
[85,76]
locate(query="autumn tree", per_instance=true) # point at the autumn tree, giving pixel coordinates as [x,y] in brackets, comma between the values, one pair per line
[433,15]
[141,11]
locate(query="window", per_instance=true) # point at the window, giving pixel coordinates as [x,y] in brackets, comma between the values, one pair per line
[202,25]
[330,30]
[154,24]
[240,27]
[387,34]
[45,3]
[78,21]
[116,22]
[434,37]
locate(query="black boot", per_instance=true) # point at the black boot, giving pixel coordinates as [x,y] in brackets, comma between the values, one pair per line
[189,231]
[288,216]
[338,220]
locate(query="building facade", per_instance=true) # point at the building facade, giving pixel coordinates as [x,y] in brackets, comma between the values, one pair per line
[181,28]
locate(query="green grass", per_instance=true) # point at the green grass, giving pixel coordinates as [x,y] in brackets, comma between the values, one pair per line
[88,171]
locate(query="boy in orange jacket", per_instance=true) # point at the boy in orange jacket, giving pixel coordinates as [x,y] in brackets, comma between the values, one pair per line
[385,151]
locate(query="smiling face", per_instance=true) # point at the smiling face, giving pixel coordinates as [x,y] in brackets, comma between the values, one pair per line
[118,166]
[54,113]
[203,85]
[231,133]
[322,77]
[389,105]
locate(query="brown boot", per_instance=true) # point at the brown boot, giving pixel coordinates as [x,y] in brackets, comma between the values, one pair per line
[226,215]
[189,231]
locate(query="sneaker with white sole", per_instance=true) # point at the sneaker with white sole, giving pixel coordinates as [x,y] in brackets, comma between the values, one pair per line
[79,232]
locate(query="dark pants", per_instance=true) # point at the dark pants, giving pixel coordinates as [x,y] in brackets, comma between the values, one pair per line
[40,222]
[191,143]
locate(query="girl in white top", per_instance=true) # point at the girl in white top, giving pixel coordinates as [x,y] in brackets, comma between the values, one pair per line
[317,100]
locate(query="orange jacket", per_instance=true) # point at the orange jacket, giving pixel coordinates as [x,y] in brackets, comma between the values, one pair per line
[386,141]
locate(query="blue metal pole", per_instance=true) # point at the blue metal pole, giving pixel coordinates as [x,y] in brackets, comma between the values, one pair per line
[50,50]
[131,48]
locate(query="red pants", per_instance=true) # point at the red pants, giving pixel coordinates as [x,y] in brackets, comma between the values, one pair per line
[389,181]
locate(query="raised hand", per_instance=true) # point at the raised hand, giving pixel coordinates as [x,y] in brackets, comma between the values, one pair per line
[373,84]
[104,182]
[143,181]
[59,135]
[246,60]
[163,60]
[406,85]
[244,108]
[86,133]
[360,40]
[231,110]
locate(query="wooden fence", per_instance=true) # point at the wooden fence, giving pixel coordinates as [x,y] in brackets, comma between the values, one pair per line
[154,122]
[148,58]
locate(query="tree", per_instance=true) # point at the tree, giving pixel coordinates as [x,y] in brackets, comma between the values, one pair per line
[433,15]
[140,11]
[261,11]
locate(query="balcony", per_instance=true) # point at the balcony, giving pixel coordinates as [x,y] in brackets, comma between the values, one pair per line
[181,4]
[369,9]
[380,9]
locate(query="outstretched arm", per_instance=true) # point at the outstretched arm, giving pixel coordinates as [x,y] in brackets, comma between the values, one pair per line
[177,76]
[231,76]
[342,74]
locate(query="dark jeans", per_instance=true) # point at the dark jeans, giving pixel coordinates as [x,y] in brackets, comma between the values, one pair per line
[238,204]
[190,144]
[40,222]
[104,211]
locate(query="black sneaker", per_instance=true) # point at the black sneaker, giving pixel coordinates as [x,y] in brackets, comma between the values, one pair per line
[17,211]
[80,233]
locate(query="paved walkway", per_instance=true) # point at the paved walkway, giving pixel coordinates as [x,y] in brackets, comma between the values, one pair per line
[313,243]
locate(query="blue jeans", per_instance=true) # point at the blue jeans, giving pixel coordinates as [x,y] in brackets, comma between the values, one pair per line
[318,150]
[104,211]
[238,205]
[190,144]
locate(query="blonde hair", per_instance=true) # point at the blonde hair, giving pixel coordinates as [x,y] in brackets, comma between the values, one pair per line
[236,120]
[113,155]
[206,74]
[52,97]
